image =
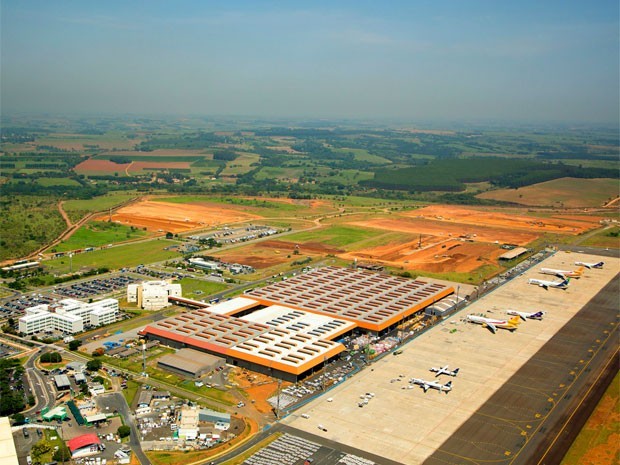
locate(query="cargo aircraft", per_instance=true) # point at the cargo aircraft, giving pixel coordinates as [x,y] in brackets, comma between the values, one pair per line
[432,384]
[590,265]
[526,315]
[563,273]
[444,371]
[547,284]
[493,323]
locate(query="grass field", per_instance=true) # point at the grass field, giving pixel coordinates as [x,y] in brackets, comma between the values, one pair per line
[336,236]
[608,238]
[116,257]
[242,164]
[98,233]
[598,443]
[76,209]
[199,289]
[364,155]
[57,182]
[566,192]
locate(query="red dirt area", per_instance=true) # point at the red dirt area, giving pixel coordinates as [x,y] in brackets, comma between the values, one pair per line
[258,388]
[449,255]
[175,218]
[139,166]
[446,230]
[446,213]
[105,166]
[270,253]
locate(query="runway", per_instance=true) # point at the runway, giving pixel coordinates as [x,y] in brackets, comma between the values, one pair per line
[524,421]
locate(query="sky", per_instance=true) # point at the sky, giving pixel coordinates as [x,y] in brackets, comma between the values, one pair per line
[523,61]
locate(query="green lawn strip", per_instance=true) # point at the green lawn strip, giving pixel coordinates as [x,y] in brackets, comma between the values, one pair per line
[114,258]
[130,391]
[204,288]
[98,233]
[337,235]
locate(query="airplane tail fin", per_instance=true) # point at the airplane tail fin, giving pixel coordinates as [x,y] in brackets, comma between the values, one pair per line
[515,320]
[579,270]
[456,370]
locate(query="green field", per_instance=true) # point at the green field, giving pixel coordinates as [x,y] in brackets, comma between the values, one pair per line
[598,440]
[116,258]
[57,182]
[98,233]
[204,288]
[608,238]
[364,155]
[77,209]
[337,236]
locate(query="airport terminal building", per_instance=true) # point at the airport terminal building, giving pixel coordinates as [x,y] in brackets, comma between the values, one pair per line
[289,329]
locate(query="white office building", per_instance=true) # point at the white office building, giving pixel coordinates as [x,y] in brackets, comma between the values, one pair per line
[68,316]
[152,295]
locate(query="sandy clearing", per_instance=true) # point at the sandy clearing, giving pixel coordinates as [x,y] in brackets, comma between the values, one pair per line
[175,218]
[446,213]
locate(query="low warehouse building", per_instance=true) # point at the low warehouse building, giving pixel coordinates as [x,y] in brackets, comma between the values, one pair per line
[190,362]
[62,382]
[84,445]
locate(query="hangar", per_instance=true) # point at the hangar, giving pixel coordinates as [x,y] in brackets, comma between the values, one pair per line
[190,362]
[288,329]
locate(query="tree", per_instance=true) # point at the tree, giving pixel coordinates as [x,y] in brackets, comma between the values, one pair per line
[93,365]
[73,345]
[51,357]
[169,235]
[63,453]
[123,431]
[19,419]
[31,400]
[84,388]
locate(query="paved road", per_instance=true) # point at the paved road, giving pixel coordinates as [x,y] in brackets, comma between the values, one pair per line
[41,386]
[116,401]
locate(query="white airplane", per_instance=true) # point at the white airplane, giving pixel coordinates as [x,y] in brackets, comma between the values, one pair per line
[493,323]
[590,265]
[432,384]
[444,371]
[526,315]
[563,273]
[547,284]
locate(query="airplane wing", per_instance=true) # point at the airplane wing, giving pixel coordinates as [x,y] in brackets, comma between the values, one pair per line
[544,286]
[492,327]
[425,387]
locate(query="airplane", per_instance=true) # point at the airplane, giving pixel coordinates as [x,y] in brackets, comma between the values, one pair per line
[432,384]
[590,265]
[444,371]
[547,284]
[563,273]
[493,323]
[526,315]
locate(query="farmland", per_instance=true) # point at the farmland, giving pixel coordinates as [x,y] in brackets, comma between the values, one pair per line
[564,192]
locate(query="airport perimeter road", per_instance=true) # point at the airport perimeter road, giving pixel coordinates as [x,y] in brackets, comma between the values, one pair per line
[529,419]
[115,401]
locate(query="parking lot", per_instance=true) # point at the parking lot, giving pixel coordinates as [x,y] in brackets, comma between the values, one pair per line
[15,308]
[95,287]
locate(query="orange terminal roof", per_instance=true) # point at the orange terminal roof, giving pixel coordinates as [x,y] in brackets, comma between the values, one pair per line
[374,301]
